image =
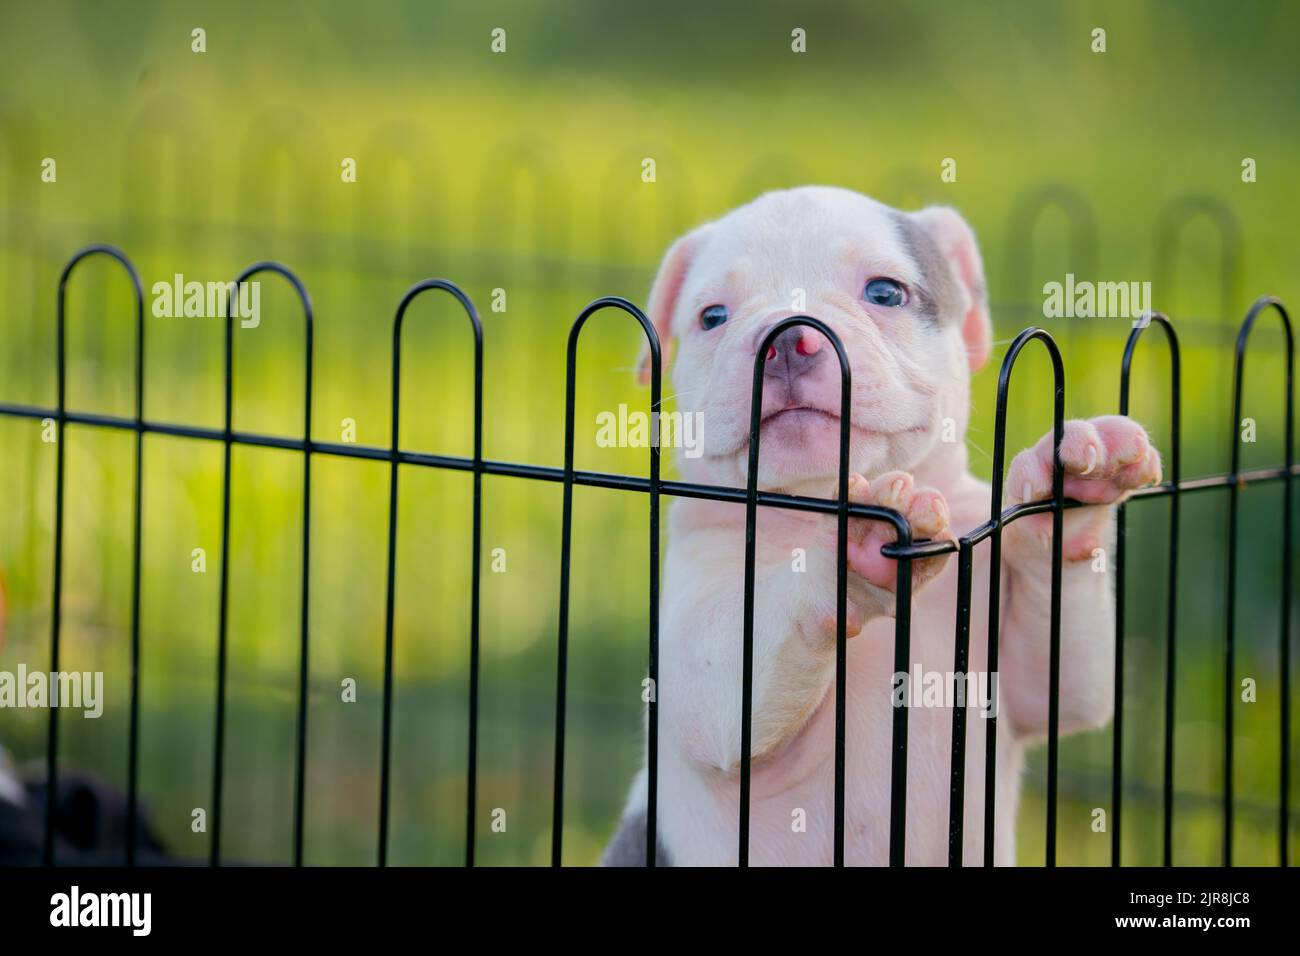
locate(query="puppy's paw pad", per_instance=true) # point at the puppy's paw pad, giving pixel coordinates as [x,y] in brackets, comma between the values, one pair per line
[893,489]
[1103,460]
[928,514]
[926,511]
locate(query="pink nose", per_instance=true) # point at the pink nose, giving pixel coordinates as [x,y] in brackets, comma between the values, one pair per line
[810,343]
[807,343]
[793,353]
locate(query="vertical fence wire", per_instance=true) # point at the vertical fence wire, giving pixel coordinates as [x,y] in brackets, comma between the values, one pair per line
[223,586]
[56,617]
[991,655]
[903,551]
[385,760]
[1171,597]
[961,661]
[476,545]
[652,706]
[898,732]
[137,516]
[304,667]
[56,611]
[566,534]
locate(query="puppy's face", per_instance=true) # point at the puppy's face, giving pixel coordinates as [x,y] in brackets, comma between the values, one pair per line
[903,292]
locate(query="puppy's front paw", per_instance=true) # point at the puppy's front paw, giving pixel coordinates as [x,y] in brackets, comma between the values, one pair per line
[1104,459]
[924,508]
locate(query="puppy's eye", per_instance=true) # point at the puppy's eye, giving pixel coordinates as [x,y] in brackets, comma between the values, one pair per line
[713,316]
[885,292]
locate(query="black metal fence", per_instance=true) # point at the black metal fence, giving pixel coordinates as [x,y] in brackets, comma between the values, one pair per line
[905,550]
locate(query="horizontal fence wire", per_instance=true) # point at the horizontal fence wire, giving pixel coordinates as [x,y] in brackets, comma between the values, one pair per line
[905,550]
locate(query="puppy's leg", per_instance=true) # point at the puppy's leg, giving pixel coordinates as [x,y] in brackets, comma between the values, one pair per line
[794,614]
[1104,459]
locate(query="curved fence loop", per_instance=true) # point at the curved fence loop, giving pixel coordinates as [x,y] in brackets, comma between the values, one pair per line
[652,739]
[898,800]
[385,760]
[112,252]
[223,622]
[1171,226]
[56,615]
[998,519]
[997,515]
[1260,305]
[1171,593]
[841,582]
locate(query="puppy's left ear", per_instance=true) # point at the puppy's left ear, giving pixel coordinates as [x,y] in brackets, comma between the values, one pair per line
[664,293]
[956,241]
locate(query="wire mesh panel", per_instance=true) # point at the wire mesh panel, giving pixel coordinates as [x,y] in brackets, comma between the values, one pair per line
[905,550]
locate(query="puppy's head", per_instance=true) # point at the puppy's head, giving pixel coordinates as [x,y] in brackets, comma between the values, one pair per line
[903,291]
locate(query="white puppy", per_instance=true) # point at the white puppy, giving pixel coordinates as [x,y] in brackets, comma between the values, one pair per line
[905,294]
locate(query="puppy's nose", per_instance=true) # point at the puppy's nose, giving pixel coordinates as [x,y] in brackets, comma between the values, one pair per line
[794,352]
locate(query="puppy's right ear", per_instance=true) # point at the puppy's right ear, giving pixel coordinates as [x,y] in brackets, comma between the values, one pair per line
[663,296]
[956,241]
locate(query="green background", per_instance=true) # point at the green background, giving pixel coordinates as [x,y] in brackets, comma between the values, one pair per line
[522,171]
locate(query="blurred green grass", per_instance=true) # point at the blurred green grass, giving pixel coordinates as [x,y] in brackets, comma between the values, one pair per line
[522,172]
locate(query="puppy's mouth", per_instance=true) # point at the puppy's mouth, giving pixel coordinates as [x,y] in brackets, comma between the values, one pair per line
[802,415]
[798,423]
[797,412]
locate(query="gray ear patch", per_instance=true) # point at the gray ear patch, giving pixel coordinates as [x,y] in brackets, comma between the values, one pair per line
[627,848]
[939,297]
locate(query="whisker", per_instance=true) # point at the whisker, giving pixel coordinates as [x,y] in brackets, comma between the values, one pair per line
[687,391]
[977,448]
